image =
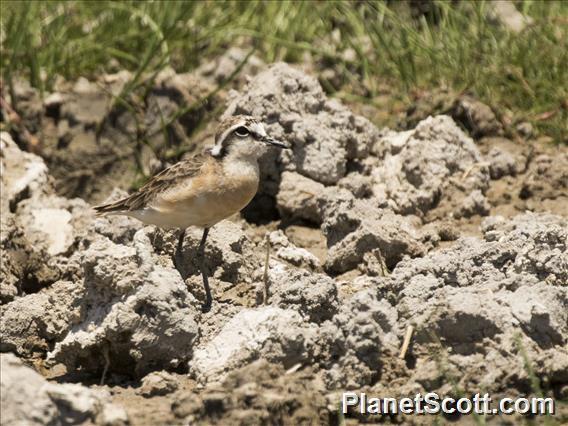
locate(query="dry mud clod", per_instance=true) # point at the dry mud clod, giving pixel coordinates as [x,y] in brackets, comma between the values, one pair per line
[403,231]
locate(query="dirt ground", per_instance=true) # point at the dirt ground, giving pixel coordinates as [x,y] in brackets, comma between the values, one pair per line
[447,224]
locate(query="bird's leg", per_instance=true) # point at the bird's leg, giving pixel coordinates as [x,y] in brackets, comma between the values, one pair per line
[177,255]
[201,254]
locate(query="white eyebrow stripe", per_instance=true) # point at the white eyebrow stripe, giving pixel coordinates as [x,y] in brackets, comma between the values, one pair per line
[216,150]
[219,145]
[257,128]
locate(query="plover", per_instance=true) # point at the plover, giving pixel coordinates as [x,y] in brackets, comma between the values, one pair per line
[205,189]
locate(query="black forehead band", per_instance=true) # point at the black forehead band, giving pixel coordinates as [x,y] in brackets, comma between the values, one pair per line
[257,135]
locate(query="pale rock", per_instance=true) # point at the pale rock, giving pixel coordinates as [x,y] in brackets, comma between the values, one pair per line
[277,335]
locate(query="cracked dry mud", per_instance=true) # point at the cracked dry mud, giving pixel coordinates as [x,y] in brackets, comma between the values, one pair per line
[369,231]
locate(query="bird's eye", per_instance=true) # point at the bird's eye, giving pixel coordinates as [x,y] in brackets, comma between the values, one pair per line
[242,132]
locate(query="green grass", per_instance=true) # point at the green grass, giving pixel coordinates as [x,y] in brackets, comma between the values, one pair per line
[520,75]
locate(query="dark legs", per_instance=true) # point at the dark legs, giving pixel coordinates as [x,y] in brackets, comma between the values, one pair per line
[177,255]
[201,254]
[201,260]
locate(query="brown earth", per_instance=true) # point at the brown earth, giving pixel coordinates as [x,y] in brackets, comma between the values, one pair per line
[464,239]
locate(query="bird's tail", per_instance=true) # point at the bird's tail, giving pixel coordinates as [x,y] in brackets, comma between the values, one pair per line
[110,208]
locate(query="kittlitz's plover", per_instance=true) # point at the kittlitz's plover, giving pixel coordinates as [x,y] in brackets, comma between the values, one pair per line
[205,189]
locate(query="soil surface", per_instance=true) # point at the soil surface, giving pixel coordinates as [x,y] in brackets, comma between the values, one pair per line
[444,226]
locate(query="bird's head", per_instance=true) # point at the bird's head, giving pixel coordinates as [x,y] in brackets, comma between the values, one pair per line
[243,136]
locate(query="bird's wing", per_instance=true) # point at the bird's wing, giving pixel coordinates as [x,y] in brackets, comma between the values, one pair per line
[157,184]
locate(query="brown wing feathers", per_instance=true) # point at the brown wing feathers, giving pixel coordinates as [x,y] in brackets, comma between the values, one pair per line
[141,198]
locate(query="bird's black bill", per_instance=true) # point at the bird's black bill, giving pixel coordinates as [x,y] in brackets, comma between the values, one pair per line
[270,141]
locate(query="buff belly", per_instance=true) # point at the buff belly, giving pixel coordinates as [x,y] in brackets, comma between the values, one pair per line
[203,209]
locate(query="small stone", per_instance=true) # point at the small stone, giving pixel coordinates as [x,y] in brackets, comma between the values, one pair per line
[158,383]
[474,204]
[525,129]
[113,415]
[448,232]
[185,405]
[501,163]
[477,117]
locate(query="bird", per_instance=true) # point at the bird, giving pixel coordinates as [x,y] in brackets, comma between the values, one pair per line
[204,189]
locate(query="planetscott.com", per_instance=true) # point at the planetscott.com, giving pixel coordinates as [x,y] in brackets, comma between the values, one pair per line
[432,403]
